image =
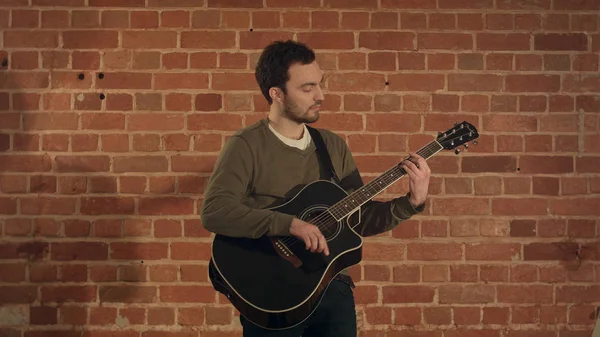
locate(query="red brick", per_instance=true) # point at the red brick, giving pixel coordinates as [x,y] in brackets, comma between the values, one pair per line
[31,250]
[382,252]
[154,122]
[90,39]
[533,83]
[572,206]
[218,121]
[107,205]
[511,123]
[103,121]
[407,294]
[552,41]
[503,41]
[473,206]
[161,316]
[196,273]
[469,82]
[103,315]
[452,294]
[525,294]
[180,81]
[166,205]
[208,40]
[581,83]
[512,206]
[445,41]
[18,294]
[357,82]
[164,273]
[63,294]
[386,40]
[138,251]
[445,103]
[82,251]
[190,251]
[389,122]
[122,80]
[377,273]
[466,315]
[546,164]
[187,294]
[408,4]
[415,82]
[433,252]
[437,315]
[489,164]
[12,272]
[218,316]
[127,294]
[470,61]
[31,39]
[48,205]
[22,80]
[43,315]
[492,252]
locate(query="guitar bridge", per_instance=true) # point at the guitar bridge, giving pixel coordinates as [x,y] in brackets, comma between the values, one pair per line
[285,252]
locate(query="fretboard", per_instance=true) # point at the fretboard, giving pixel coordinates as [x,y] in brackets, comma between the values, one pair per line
[367,192]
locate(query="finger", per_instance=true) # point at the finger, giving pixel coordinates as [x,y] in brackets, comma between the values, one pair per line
[326,247]
[415,155]
[424,167]
[319,244]
[410,167]
[322,244]
[420,165]
[315,242]
[306,239]
[406,169]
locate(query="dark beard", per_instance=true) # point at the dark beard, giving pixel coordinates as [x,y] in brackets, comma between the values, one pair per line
[291,111]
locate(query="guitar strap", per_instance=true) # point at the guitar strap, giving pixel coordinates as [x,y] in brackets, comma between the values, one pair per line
[327,170]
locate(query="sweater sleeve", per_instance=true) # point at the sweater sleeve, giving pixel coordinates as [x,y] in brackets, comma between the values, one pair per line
[376,216]
[223,211]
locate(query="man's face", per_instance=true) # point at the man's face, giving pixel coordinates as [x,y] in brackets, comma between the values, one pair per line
[304,95]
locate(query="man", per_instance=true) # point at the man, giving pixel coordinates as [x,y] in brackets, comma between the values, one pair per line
[265,163]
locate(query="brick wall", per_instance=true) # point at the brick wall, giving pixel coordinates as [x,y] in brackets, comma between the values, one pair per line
[113,112]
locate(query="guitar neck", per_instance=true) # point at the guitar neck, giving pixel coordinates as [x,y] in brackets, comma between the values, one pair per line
[367,192]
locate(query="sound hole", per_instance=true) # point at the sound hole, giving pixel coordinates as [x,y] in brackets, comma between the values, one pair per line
[318,216]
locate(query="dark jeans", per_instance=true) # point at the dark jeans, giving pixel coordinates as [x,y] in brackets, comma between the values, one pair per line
[334,317]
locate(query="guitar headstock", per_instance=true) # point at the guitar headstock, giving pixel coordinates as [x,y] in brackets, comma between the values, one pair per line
[460,134]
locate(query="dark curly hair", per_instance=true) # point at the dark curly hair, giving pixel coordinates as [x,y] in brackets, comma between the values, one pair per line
[274,62]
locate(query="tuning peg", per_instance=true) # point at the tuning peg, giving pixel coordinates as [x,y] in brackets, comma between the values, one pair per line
[455,123]
[475,142]
[457,151]
[466,146]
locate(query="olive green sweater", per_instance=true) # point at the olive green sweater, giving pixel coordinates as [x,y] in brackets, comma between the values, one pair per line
[256,170]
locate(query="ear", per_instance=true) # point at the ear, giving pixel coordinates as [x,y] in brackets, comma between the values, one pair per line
[276,94]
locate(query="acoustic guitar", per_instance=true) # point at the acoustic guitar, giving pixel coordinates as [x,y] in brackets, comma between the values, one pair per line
[274,281]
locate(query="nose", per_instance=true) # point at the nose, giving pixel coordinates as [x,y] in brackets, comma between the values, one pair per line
[319,94]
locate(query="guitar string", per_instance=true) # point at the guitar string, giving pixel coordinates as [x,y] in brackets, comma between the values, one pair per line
[385,178]
[323,220]
[325,215]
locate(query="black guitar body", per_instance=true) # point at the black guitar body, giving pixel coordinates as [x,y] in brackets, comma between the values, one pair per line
[269,285]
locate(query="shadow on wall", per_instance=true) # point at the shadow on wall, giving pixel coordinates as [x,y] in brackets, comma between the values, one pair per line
[97,234]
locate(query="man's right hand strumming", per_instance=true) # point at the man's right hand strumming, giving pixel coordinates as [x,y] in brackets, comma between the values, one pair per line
[311,235]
